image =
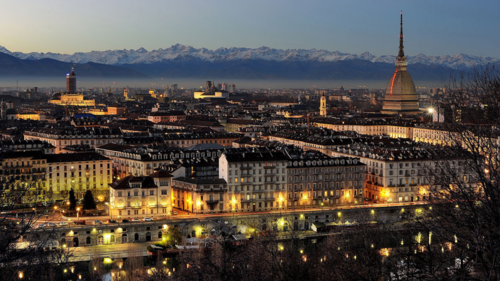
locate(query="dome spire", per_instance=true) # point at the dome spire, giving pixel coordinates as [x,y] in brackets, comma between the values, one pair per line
[401,54]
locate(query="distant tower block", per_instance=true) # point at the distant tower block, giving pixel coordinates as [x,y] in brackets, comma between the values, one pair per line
[322,105]
[71,82]
[208,86]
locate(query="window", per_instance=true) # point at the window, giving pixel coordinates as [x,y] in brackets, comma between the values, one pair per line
[163,192]
[151,192]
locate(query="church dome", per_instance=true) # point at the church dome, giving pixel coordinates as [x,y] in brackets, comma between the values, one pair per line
[400,85]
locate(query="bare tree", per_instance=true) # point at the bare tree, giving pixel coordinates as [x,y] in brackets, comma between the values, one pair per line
[464,185]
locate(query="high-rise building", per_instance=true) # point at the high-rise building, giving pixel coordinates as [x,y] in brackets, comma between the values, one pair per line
[400,94]
[71,82]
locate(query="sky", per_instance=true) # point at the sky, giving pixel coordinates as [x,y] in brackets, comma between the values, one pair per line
[431,27]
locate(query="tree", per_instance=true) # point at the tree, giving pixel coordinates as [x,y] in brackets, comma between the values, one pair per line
[72,200]
[466,192]
[24,250]
[88,201]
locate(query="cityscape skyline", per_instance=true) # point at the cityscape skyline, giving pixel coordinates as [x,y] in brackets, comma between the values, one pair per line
[432,28]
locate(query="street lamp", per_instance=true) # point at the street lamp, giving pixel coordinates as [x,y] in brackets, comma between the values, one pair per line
[77,213]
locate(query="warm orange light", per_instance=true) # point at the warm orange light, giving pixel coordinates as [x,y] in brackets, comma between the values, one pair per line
[393,78]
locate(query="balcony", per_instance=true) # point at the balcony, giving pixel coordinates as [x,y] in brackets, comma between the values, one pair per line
[269,167]
[247,200]
[245,168]
[245,176]
[269,199]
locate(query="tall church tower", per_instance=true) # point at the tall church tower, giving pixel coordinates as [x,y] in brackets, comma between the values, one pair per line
[322,105]
[400,94]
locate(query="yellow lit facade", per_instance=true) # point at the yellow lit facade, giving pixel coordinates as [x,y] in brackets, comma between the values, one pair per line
[73,99]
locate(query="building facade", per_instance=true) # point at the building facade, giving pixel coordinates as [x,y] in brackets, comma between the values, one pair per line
[61,138]
[147,196]
[80,172]
[256,181]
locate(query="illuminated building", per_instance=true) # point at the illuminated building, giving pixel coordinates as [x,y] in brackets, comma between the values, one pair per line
[316,180]
[141,196]
[217,94]
[22,174]
[255,180]
[28,116]
[401,95]
[322,106]
[77,136]
[74,99]
[80,172]
[200,196]
[117,109]
[171,116]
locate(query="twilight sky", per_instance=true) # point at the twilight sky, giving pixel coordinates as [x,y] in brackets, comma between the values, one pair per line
[432,27]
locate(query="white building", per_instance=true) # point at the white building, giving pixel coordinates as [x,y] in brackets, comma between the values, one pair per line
[147,196]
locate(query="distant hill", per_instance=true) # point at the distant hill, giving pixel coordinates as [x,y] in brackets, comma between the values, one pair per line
[234,63]
[12,66]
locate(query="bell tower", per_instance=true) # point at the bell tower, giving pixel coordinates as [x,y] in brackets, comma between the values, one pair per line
[322,105]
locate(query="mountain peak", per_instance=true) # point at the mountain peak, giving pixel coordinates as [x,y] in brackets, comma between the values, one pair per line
[179,52]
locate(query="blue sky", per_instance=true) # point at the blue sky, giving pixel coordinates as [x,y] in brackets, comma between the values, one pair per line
[432,27]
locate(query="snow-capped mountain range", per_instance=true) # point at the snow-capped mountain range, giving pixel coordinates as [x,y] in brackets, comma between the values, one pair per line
[187,53]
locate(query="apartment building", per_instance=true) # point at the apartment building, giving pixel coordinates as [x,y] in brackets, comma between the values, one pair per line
[80,172]
[363,127]
[22,176]
[171,116]
[146,196]
[397,175]
[433,133]
[188,140]
[128,160]
[61,138]
[306,142]
[200,195]
[256,181]
[317,180]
